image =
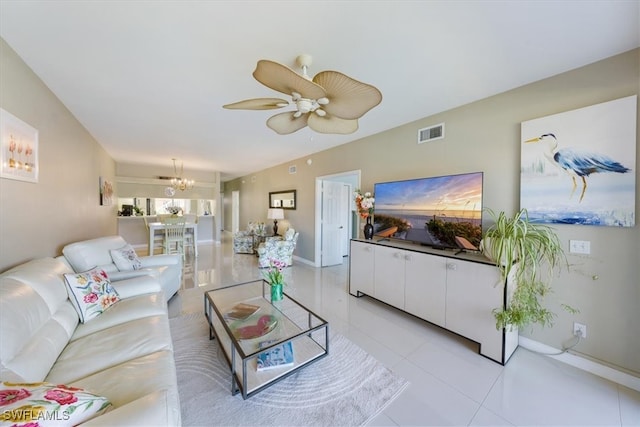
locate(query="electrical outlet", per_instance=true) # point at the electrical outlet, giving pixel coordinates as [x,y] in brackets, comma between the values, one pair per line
[579,330]
[579,247]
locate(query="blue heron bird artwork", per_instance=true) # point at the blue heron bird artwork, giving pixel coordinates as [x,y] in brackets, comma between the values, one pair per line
[578,167]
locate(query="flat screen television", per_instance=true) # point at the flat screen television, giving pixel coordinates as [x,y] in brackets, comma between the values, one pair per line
[442,211]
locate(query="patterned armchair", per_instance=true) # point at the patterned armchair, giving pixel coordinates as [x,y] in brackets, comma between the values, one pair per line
[243,240]
[277,248]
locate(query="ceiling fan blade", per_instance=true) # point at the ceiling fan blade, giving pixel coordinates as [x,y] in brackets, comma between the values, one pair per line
[332,124]
[286,123]
[348,98]
[283,79]
[258,104]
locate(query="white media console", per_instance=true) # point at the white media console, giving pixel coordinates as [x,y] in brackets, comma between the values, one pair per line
[456,291]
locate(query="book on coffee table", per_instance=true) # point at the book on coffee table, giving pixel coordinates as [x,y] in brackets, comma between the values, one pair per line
[242,311]
[276,357]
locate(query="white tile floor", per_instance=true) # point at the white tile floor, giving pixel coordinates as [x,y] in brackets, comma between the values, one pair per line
[451,385]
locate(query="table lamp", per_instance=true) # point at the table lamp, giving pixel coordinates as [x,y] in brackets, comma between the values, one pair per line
[275,215]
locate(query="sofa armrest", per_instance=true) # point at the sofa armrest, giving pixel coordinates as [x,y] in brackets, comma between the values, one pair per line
[161,408]
[137,285]
[160,260]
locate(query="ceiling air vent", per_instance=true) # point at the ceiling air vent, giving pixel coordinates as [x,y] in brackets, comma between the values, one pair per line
[431,133]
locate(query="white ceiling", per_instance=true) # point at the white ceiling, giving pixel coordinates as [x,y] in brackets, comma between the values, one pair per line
[148,78]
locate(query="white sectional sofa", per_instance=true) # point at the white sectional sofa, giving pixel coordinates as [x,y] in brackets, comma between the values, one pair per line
[123,357]
[88,254]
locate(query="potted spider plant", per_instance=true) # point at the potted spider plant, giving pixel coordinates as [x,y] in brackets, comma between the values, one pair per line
[526,254]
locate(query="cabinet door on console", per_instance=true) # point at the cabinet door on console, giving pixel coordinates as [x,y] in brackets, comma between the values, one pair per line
[389,275]
[426,287]
[361,268]
[473,291]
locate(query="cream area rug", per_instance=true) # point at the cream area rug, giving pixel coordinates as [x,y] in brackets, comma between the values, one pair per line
[347,388]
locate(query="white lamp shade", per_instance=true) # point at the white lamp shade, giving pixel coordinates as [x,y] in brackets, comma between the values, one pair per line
[275,214]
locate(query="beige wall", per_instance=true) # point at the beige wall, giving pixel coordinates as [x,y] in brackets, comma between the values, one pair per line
[39,219]
[485,136]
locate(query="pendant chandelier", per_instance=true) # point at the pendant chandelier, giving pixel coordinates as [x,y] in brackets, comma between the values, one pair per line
[179,182]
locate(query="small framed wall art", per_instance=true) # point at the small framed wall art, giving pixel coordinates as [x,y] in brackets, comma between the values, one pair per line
[18,149]
[106,192]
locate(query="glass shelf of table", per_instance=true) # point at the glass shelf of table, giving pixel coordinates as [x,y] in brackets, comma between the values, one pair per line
[280,321]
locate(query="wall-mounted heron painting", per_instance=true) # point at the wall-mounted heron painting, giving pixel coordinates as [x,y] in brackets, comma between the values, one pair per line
[578,167]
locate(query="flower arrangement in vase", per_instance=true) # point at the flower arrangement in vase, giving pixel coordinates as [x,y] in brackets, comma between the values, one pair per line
[274,277]
[174,210]
[364,203]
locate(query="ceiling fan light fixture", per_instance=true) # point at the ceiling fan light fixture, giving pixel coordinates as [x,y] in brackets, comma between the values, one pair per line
[304,62]
[345,100]
[305,105]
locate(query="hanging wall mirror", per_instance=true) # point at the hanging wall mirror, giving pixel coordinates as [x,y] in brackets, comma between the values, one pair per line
[282,199]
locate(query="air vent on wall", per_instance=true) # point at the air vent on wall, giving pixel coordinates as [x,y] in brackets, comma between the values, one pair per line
[293,169]
[431,133]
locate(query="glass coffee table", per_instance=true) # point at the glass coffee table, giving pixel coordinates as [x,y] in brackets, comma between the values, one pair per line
[252,342]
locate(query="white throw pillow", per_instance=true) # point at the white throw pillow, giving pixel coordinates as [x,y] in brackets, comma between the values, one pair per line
[90,293]
[125,258]
[45,404]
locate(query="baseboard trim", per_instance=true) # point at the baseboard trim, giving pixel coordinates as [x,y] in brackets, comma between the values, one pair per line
[585,364]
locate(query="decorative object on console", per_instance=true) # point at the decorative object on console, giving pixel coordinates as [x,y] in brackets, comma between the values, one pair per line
[18,149]
[368,229]
[90,293]
[275,214]
[595,145]
[179,182]
[45,404]
[364,205]
[521,250]
[331,102]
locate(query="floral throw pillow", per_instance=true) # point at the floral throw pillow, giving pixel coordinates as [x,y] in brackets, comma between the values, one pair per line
[46,404]
[125,258]
[90,293]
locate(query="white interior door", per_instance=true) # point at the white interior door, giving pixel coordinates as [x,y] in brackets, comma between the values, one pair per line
[345,212]
[235,211]
[332,226]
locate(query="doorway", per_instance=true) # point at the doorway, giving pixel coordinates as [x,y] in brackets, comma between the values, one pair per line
[334,217]
[235,211]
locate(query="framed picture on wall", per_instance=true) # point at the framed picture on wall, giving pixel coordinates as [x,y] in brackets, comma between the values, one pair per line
[578,167]
[19,149]
[106,192]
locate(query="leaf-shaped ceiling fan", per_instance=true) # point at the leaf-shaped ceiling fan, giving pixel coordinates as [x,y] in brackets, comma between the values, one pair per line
[331,102]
